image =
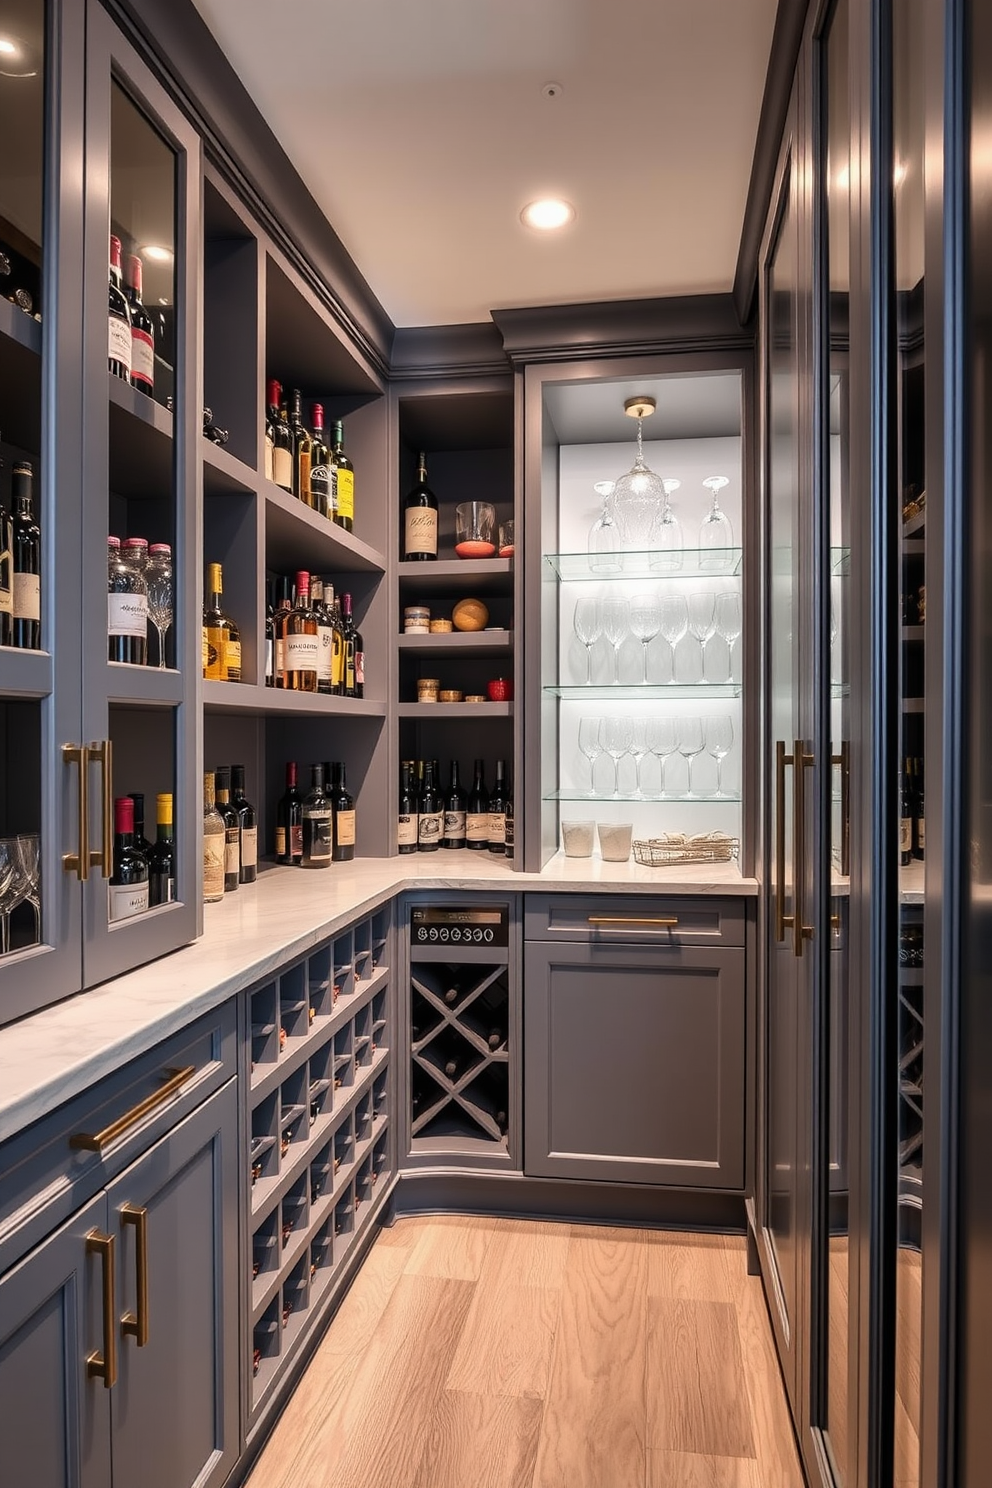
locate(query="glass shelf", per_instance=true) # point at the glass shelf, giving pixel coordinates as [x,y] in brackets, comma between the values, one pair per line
[669,798]
[697,563]
[639,692]
[840,561]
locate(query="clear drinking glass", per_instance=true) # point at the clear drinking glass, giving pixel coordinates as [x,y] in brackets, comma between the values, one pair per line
[604,535]
[666,534]
[638,749]
[587,622]
[616,742]
[29,847]
[727,614]
[645,623]
[674,622]
[716,536]
[591,745]
[663,742]
[719,742]
[702,623]
[616,628]
[13,887]
[159,582]
[691,743]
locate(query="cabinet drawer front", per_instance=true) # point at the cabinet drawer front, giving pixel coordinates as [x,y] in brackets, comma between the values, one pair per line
[609,919]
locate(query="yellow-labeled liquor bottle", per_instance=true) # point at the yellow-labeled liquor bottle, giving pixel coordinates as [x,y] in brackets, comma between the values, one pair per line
[221,637]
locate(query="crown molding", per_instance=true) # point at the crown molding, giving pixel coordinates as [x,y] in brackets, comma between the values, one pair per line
[558,333]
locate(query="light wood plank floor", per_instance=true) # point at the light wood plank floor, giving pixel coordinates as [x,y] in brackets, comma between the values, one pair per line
[498,1353]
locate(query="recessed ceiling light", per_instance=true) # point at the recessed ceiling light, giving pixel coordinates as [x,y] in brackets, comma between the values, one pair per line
[7,47]
[18,59]
[547,214]
[156,253]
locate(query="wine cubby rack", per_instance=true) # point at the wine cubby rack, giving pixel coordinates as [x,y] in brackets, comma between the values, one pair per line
[459,1043]
[319,1139]
[911,1061]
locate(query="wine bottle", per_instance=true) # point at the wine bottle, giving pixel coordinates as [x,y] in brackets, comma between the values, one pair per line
[232,846]
[350,634]
[358,646]
[497,812]
[919,814]
[345,830]
[214,844]
[270,636]
[325,635]
[496,1038]
[321,462]
[302,449]
[127,617]
[344,482]
[406,831]
[119,346]
[317,823]
[221,637]
[247,827]
[162,858]
[140,840]
[128,887]
[454,812]
[430,812]
[451,1067]
[420,519]
[289,821]
[271,419]
[282,439]
[508,824]
[301,643]
[6,578]
[26,550]
[905,820]
[477,818]
[337,646]
[284,602]
[142,332]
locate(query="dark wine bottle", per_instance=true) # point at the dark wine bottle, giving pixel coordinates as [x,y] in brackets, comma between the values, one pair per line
[142,332]
[162,858]
[906,819]
[344,818]
[321,463]
[119,346]
[477,818]
[302,449]
[289,821]
[497,811]
[232,852]
[919,815]
[318,823]
[6,578]
[454,812]
[430,810]
[26,550]
[247,827]
[420,519]
[141,842]
[282,439]
[406,827]
[344,482]
[350,639]
[128,888]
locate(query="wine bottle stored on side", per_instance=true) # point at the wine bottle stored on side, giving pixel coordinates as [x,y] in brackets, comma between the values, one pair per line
[119,345]
[455,812]
[430,812]
[420,519]
[128,886]
[289,821]
[214,844]
[905,819]
[344,482]
[318,829]
[477,817]
[321,463]
[302,449]
[301,643]
[26,550]
[162,858]
[232,845]
[345,829]
[497,812]
[406,827]
[142,332]
[247,827]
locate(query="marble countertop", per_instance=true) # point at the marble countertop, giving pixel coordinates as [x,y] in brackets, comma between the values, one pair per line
[55,1054]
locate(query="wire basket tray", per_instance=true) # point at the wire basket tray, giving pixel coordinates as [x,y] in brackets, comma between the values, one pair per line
[675,847]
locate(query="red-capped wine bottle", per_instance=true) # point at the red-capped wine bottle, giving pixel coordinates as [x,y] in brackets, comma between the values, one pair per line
[289,821]
[128,887]
[142,332]
[26,554]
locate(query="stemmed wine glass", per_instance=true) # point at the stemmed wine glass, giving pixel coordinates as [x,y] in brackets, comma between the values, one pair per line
[29,846]
[591,745]
[716,536]
[616,742]
[638,749]
[666,534]
[645,623]
[674,622]
[728,622]
[690,744]
[158,579]
[719,742]
[616,625]
[702,623]
[663,742]
[588,625]
[13,887]
[604,535]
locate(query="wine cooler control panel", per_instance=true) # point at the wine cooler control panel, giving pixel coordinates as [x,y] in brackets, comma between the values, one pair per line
[452,925]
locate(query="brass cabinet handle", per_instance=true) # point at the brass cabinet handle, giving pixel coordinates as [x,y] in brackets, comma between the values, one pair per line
[104,1366]
[85,1142]
[103,858]
[135,1323]
[843,760]
[79,861]
[783,921]
[667,924]
[802,761]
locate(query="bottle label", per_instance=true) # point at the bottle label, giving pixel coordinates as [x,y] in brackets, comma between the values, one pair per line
[249,846]
[269,675]
[214,665]
[316,835]
[921,833]
[497,827]
[268,457]
[344,828]
[232,852]
[127,615]
[127,900]
[142,358]
[280,842]
[349,667]
[302,653]
[906,834]
[204,650]
[477,826]
[454,826]
[119,346]
[337,662]
[27,597]
[421,530]
[232,660]
[429,826]
[303,476]
[359,668]
[282,468]
[325,655]
[280,660]
[320,488]
[344,493]
[214,853]
[406,833]
[165,889]
[296,840]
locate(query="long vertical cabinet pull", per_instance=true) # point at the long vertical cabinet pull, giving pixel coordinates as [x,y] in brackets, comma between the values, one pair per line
[104,1366]
[135,1323]
[103,858]
[79,861]
[843,762]
[801,762]
[783,921]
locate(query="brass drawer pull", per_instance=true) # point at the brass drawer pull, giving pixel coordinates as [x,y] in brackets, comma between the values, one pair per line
[85,1142]
[667,924]
[135,1323]
[104,1366]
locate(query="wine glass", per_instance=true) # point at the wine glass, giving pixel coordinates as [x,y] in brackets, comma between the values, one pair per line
[691,743]
[616,742]
[674,622]
[727,614]
[604,534]
[616,625]
[29,847]
[158,579]
[588,624]
[666,534]
[638,749]
[645,623]
[716,536]
[663,742]
[719,742]
[13,887]
[591,745]
[702,623]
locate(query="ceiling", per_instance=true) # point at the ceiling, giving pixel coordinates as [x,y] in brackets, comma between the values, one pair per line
[422,129]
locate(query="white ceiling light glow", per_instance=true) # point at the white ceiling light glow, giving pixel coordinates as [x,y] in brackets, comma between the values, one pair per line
[548,214]
[156,253]
[7,48]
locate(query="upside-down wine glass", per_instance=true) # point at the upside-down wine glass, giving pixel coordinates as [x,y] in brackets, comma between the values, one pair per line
[663,742]
[674,622]
[29,846]
[616,625]
[666,534]
[616,742]
[691,743]
[13,887]
[645,623]
[588,625]
[727,613]
[716,536]
[591,745]
[719,742]
[702,623]
[604,534]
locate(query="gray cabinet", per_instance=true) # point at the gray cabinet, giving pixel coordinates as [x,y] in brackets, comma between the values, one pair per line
[634,1061]
[118,1333]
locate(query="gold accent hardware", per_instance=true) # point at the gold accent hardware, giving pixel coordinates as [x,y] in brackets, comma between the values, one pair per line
[667,924]
[84,1142]
[835,922]
[801,762]
[103,858]
[783,921]
[104,1366]
[135,1323]
[79,861]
